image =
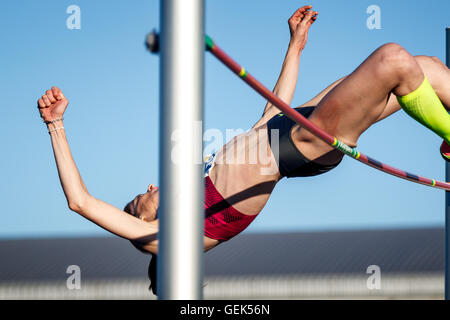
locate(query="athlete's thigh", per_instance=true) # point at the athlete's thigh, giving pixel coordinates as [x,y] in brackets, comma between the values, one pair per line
[353,105]
[346,111]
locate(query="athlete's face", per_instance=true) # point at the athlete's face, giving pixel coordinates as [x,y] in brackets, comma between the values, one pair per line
[144,206]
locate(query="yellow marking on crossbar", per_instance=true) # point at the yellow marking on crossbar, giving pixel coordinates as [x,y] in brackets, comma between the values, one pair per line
[335,142]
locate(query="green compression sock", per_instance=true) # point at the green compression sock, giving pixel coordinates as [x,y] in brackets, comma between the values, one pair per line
[424,105]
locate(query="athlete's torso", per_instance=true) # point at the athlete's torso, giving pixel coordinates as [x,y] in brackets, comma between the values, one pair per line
[245,171]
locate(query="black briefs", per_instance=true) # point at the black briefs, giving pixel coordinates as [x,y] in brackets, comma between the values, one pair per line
[291,162]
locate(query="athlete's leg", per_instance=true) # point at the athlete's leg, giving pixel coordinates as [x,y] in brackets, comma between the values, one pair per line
[434,69]
[361,99]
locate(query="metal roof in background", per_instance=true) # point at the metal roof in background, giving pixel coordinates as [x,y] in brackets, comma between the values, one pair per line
[297,253]
[335,252]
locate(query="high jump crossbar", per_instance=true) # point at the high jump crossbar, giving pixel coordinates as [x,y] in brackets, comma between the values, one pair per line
[152,40]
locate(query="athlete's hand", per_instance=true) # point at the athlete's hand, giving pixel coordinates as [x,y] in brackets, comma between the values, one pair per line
[52,104]
[299,25]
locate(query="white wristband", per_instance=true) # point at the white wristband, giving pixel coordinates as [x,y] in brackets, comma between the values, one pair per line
[53,130]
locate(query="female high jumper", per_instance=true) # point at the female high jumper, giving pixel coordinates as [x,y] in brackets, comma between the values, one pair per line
[236,192]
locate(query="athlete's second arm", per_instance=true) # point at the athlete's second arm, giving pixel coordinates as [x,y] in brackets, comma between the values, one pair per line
[52,106]
[299,25]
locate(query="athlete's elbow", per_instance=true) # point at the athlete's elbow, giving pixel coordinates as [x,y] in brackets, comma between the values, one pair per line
[78,204]
[74,206]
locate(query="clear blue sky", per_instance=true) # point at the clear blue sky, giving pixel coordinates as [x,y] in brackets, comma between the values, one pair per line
[112,120]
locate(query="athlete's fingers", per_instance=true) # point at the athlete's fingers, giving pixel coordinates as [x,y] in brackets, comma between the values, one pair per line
[304,9]
[309,23]
[50,96]
[299,14]
[41,104]
[58,95]
[46,100]
[308,17]
[55,91]
[296,14]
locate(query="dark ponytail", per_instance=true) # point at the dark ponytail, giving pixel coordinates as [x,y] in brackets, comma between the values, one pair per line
[152,273]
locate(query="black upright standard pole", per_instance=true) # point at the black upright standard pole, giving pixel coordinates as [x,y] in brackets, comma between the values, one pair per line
[447,197]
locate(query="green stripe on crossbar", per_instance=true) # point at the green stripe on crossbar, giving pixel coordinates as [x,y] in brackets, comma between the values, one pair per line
[209,42]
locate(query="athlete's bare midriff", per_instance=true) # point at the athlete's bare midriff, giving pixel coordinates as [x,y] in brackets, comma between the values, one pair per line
[246,182]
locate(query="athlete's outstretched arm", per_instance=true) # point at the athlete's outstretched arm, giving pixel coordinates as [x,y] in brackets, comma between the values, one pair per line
[299,25]
[52,106]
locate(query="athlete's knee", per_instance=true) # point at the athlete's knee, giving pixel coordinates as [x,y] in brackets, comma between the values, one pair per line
[391,51]
[394,58]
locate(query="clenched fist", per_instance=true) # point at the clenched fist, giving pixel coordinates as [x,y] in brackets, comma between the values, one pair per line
[52,104]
